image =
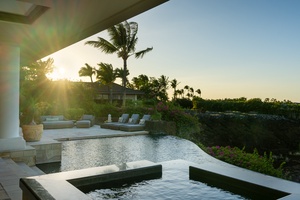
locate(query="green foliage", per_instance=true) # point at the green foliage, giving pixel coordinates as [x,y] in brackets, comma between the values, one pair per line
[186,124]
[184,103]
[274,107]
[102,110]
[74,113]
[44,108]
[252,161]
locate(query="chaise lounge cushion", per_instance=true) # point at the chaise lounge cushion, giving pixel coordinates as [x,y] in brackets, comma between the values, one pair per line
[136,127]
[86,121]
[110,125]
[56,121]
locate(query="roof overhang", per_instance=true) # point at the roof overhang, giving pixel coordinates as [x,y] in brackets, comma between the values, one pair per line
[42,27]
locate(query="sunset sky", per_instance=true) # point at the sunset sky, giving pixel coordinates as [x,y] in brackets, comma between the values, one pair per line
[226,48]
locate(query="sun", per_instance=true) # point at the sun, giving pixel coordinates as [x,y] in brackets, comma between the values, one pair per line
[57,74]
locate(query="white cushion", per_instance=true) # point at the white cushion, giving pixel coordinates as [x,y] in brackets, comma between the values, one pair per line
[120,119]
[52,119]
[142,121]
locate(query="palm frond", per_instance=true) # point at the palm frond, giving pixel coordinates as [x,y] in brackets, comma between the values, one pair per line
[104,45]
[141,54]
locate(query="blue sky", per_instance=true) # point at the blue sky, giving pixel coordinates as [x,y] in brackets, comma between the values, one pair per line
[226,48]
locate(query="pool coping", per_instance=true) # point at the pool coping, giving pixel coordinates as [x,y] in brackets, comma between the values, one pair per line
[62,185]
[245,178]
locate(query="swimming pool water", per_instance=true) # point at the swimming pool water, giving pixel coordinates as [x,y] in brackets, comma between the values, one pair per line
[174,184]
[80,154]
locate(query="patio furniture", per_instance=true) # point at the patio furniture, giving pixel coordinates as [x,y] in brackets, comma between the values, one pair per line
[132,120]
[136,127]
[56,121]
[123,119]
[86,121]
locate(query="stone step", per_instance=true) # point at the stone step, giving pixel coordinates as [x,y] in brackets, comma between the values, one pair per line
[10,174]
[13,167]
[30,171]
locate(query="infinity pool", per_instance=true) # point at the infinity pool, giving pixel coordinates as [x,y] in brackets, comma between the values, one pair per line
[174,184]
[80,154]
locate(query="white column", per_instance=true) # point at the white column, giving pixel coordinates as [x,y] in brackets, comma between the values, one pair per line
[9,98]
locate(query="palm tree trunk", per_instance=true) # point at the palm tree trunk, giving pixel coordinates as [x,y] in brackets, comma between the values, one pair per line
[124,82]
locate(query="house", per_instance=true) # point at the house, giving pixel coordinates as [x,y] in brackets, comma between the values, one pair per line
[103,92]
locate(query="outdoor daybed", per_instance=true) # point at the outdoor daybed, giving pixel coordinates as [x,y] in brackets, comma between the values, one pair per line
[132,120]
[56,121]
[136,127]
[86,121]
[124,119]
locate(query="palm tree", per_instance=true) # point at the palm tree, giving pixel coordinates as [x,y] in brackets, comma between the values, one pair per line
[199,92]
[174,85]
[192,92]
[87,71]
[106,75]
[188,90]
[120,72]
[123,39]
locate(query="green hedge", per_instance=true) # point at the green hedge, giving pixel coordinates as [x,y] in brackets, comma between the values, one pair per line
[274,107]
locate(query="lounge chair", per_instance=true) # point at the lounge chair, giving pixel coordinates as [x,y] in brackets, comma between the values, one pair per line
[132,120]
[123,119]
[136,127]
[86,121]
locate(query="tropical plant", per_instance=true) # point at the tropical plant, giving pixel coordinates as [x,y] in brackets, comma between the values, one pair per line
[192,92]
[106,75]
[186,124]
[199,92]
[119,74]
[87,71]
[37,71]
[174,84]
[253,161]
[187,88]
[123,40]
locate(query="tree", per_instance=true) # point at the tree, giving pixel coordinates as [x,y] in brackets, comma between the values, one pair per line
[123,40]
[87,71]
[188,90]
[192,92]
[199,92]
[37,71]
[120,72]
[140,82]
[174,85]
[106,75]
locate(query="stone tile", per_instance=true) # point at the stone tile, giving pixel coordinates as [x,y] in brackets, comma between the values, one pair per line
[17,154]
[15,195]
[30,153]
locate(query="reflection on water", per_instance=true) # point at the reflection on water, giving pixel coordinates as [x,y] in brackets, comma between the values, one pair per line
[174,184]
[81,154]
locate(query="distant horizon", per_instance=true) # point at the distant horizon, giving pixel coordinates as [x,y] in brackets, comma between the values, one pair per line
[227,49]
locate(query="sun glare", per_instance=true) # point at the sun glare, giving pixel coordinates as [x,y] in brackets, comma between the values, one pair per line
[57,74]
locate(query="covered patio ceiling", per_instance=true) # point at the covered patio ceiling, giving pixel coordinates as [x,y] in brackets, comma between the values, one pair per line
[42,27]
